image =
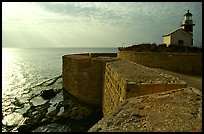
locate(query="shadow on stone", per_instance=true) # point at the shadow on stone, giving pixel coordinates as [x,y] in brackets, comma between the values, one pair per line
[47,94]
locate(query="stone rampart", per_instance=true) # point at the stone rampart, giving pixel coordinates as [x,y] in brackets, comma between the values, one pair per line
[187,63]
[106,81]
[82,76]
[125,79]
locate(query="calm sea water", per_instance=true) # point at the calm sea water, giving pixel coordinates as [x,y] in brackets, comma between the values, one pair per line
[26,68]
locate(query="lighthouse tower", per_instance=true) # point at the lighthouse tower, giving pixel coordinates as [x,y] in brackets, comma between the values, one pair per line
[187,23]
[183,36]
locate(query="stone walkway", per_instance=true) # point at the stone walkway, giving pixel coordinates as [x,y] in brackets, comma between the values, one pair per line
[192,81]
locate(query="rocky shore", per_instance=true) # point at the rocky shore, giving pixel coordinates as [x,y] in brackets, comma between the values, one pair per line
[50,110]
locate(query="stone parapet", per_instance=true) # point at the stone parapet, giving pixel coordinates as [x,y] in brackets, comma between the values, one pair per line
[186,63]
[125,79]
[178,110]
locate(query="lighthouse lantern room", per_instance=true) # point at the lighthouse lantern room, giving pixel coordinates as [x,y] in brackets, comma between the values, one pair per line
[187,23]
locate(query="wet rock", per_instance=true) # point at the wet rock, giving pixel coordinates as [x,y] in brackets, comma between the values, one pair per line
[77,117]
[47,94]
[8,128]
[12,119]
[33,115]
[36,114]
[53,127]
[24,128]
[29,112]
[18,103]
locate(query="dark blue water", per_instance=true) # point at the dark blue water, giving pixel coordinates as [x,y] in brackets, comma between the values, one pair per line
[26,68]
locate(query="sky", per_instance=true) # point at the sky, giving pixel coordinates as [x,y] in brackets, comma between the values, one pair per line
[94,24]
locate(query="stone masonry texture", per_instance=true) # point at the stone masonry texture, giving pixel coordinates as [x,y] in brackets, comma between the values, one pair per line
[82,76]
[187,63]
[125,79]
[178,110]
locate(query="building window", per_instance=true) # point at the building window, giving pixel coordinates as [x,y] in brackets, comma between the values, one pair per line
[180,42]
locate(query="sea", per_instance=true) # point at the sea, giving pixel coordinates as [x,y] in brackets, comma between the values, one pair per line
[24,71]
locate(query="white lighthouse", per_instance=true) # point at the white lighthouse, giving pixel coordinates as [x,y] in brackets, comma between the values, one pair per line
[182,36]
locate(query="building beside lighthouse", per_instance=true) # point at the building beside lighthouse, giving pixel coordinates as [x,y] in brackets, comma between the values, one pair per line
[182,36]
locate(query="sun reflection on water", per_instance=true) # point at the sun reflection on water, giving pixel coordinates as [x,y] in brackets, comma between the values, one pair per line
[7,61]
[12,82]
[13,72]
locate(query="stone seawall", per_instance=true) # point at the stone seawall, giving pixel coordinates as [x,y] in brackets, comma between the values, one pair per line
[125,79]
[82,76]
[187,63]
[106,81]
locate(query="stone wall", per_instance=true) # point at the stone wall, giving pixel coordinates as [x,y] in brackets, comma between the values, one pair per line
[177,110]
[107,81]
[82,76]
[125,79]
[187,63]
[114,89]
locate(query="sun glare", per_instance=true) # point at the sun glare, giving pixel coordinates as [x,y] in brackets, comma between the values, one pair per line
[7,55]
[12,9]
[8,6]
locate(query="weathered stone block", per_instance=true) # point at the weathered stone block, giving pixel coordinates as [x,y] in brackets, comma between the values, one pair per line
[177,110]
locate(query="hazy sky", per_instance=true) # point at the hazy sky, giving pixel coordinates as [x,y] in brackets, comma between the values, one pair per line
[89,24]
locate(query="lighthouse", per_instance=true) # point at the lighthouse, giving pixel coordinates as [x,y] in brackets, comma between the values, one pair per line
[187,23]
[182,36]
